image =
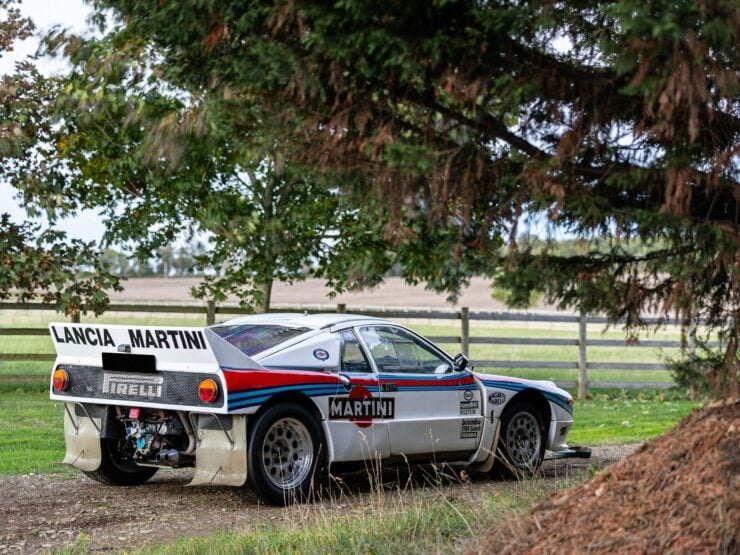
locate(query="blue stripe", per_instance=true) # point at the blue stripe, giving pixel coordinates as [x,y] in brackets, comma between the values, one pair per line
[242,394]
[259,400]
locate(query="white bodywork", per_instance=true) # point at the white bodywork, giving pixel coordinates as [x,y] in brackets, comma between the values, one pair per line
[373,411]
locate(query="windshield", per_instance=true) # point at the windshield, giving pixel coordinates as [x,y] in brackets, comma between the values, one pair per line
[252,339]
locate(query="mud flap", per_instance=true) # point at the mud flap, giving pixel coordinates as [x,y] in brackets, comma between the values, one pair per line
[221,452]
[82,439]
[487,464]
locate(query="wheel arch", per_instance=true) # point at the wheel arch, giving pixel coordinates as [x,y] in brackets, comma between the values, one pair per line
[537,399]
[308,403]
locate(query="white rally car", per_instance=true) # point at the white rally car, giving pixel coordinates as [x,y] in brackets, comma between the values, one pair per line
[269,400]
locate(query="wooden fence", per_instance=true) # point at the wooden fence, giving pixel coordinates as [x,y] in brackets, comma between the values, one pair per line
[210,311]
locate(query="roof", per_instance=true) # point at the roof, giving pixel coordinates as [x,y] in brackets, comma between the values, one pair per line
[295,319]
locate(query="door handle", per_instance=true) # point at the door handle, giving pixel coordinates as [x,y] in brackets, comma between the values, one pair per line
[389,387]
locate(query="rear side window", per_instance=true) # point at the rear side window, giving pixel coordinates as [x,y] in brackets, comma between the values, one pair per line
[252,339]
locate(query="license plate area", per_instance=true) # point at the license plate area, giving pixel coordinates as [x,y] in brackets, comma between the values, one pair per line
[127,362]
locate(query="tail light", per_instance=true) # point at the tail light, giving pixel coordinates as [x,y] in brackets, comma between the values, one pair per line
[60,380]
[208,391]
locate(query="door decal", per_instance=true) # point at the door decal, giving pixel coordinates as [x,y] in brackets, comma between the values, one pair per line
[361,407]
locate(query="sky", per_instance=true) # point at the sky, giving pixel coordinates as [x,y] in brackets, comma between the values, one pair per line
[69,14]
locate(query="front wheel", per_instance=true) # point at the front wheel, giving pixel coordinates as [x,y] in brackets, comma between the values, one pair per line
[284,454]
[117,467]
[522,438]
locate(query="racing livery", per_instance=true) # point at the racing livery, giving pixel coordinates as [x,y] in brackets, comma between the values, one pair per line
[268,401]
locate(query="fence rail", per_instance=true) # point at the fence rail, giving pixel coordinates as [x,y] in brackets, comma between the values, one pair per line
[464,315]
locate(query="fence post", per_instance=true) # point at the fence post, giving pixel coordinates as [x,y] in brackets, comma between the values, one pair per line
[465,331]
[341,308]
[582,374]
[211,313]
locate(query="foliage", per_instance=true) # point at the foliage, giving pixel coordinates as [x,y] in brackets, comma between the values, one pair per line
[463,109]
[35,263]
[700,370]
[47,265]
[444,122]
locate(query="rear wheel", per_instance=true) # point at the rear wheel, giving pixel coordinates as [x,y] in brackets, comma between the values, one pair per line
[117,467]
[284,452]
[522,438]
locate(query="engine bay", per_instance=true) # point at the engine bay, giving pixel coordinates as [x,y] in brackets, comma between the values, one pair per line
[156,437]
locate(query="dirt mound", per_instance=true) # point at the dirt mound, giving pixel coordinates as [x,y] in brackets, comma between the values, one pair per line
[678,494]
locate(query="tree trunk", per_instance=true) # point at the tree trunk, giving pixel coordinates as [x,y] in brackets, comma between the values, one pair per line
[266,290]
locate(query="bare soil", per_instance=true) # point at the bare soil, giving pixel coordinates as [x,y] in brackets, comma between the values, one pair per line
[40,513]
[678,494]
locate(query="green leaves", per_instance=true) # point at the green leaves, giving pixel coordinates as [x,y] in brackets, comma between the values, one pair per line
[47,266]
[348,139]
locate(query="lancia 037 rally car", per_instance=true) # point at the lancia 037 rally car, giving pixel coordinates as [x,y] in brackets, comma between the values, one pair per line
[267,401]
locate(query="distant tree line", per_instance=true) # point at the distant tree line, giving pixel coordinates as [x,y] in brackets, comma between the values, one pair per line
[167,262]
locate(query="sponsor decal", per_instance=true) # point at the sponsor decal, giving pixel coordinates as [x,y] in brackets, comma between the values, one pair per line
[468,395]
[83,336]
[496,398]
[470,429]
[142,339]
[469,407]
[132,386]
[361,407]
[167,339]
[321,354]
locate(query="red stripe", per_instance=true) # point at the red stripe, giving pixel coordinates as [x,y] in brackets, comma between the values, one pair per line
[248,379]
[439,383]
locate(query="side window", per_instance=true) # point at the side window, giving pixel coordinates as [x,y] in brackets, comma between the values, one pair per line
[353,359]
[396,350]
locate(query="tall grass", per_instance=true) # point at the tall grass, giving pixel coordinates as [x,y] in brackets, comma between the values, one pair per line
[418,519]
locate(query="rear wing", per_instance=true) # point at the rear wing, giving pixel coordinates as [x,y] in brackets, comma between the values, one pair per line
[158,348]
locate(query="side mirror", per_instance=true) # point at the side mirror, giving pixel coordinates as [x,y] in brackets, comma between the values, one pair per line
[461,362]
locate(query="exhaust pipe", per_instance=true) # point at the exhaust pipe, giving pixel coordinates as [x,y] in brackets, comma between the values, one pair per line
[168,457]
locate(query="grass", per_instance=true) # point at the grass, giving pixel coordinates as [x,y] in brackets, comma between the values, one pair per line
[625,420]
[420,522]
[31,433]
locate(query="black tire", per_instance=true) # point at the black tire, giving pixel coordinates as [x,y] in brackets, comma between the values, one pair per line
[117,468]
[522,440]
[285,452]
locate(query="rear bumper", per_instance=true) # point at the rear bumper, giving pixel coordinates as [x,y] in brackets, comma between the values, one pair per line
[168,390]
